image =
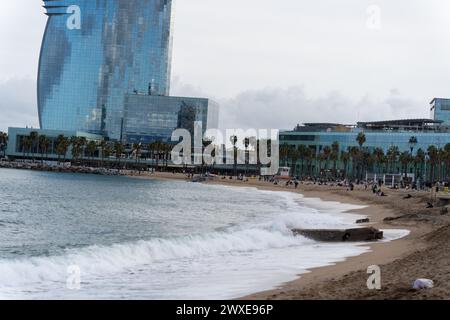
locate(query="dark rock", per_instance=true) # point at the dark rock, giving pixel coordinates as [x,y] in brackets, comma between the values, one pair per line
[356,234]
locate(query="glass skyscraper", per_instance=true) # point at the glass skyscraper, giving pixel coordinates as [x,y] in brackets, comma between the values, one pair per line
[94,53]
[154,118]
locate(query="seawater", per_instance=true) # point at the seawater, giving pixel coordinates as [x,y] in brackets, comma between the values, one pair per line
[146,239]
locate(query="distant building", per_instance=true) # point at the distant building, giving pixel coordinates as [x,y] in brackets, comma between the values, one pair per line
[17,149]
[96,53]
[440,110]
[154,118]
[379,134]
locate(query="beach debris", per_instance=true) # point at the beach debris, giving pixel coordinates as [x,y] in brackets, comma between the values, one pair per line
[198,179]
[421,284]
[408,197]
[366,220]
[330,235]
[430,205]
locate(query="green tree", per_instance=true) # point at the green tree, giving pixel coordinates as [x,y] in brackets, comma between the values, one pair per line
[284,153]
[335,156]
[294,155]
[62,147]
[119,149]
[355,154]
[34,138]
[326,156]
[392,156]
[412,144]
[91,149]
[247,156]
[136,149]
[27,144]
[44,145]
[303,152]
[103,146]
[433,154]
[345,158]
[379,158]
[419,162]
[234,141]
[3,142]
[405,159]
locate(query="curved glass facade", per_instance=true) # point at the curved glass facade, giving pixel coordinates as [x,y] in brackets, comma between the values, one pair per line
[94,53]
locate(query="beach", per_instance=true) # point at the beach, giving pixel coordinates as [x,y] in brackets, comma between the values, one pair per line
[424,253]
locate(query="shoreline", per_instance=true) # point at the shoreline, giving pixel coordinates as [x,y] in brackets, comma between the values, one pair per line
[347,279]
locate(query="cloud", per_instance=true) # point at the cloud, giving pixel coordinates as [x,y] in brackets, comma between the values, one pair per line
[18,105]
[280,108]
[268,108]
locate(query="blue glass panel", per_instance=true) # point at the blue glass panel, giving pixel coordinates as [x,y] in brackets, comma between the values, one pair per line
[121,47]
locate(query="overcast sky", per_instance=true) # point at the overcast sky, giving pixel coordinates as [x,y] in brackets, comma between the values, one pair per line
[273,63]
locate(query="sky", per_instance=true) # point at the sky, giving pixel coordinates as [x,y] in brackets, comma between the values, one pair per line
[273,63]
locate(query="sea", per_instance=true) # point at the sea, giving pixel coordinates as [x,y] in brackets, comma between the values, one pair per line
[77,236]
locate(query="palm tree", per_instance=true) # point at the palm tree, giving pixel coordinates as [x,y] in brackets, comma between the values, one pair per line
[433,154]
[446,158]
[293,155]
[136,149]
[405,158]
[419,161]
[392,156]
[412,143]
[62,146]
[82,141]
[326,155]
[345,157]
[441,157]
[34,138]
[234,140]
[118,151]
[26,145]
[284,153]
[247,156]
[44,145]
[168,153]
[302,153]
[379,158]
[103,145]
[361,139]
[3,142]
[335,156]
[91,149]
[355,154]
[106,151]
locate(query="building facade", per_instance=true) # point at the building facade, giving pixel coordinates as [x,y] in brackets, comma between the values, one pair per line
[408,136]
[17,149]
[383,135]
[154,118]
[94,53]
[440,110]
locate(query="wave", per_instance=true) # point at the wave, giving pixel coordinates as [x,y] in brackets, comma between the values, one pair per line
[101,260]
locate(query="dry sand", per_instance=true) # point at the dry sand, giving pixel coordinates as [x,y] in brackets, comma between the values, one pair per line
[425,253]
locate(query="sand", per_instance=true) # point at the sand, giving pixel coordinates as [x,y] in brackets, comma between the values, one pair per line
[425,253]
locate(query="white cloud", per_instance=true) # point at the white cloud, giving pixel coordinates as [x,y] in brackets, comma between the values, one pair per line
[279,108]
[18,106]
